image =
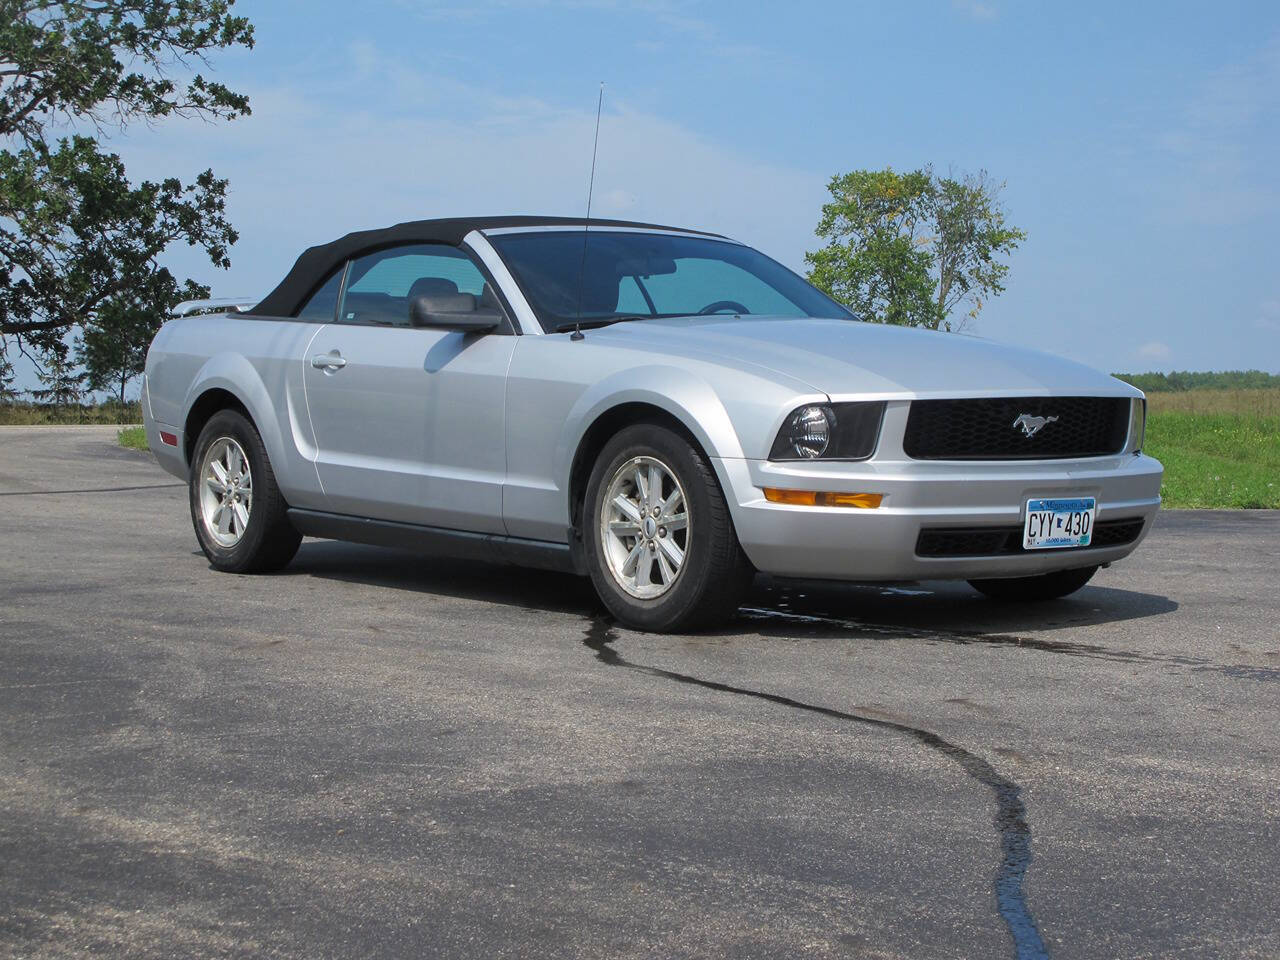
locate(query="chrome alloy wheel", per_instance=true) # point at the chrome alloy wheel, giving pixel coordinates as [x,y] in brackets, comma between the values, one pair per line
[226,491]
[644,527]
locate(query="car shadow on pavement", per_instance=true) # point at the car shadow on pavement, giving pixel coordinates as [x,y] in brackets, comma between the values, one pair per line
[773,608]
[950,606]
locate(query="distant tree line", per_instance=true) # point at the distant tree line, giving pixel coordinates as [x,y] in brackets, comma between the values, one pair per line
[1208,380]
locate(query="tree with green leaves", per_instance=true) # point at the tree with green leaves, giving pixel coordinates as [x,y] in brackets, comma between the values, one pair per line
[60,383]
[113,348]
[80,243]
[7,393]
[913,248]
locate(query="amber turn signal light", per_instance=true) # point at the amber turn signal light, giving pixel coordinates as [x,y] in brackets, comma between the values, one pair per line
[822,498]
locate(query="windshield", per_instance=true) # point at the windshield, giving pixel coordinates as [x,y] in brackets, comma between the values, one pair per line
[645,275]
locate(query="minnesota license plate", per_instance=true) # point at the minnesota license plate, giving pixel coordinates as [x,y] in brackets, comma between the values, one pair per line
[1054,524]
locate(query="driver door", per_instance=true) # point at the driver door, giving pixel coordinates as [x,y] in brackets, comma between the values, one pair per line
[409,422]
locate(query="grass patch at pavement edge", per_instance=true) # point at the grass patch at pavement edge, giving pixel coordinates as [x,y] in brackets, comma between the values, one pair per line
[135,438]
[1216,460]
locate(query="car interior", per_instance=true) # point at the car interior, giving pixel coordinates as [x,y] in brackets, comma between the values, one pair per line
[442,296]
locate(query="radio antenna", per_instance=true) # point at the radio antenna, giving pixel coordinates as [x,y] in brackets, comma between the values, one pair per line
[586,224]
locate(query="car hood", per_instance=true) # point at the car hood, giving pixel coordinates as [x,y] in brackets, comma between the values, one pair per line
[846,356]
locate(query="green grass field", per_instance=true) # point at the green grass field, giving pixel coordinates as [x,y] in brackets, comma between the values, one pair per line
[135,438]
[41,414]
[1244,403]
[1220,448]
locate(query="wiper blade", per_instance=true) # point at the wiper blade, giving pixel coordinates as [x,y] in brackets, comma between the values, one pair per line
[596,322]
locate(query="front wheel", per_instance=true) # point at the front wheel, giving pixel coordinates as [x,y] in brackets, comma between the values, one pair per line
[239,514]
[1046,586]
[659,543]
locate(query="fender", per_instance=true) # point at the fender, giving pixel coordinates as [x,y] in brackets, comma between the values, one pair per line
[684,395]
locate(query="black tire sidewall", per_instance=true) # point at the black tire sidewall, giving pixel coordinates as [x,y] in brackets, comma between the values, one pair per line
[1037,589]
[243,556]
[681,603]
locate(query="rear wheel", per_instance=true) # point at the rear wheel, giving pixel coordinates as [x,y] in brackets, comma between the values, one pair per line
[1046,586]
[659,543]
[237,509]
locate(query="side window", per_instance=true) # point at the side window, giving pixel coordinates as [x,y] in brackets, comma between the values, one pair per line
[381,285]
[322,304]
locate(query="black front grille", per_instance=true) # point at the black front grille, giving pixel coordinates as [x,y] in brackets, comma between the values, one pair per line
[1116,533]
[996,428]
[1002,541]
[969,542]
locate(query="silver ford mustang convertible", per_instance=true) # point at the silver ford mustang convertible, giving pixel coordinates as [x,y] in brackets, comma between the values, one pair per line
[663,410]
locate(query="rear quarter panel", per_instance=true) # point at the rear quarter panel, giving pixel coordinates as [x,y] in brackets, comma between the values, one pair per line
[257,360]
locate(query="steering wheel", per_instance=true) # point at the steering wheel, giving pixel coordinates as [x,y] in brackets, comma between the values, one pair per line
[731,305]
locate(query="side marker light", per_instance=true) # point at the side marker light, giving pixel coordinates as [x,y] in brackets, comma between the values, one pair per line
[822,498]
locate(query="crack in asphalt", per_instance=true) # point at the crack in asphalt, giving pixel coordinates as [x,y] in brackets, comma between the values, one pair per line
[1068,648]
[1010,820]
[49,493]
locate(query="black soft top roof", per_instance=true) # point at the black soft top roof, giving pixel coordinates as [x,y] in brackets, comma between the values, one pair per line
[316,263]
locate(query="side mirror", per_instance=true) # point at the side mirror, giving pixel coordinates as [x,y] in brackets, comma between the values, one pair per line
[452,311]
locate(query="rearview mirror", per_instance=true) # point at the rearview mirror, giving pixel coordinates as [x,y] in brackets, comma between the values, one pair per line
[454,311]
[646,266]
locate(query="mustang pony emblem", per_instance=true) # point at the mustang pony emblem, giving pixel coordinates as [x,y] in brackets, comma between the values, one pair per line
[1032,425]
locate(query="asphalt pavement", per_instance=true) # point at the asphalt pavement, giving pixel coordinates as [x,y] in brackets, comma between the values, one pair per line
[380,754]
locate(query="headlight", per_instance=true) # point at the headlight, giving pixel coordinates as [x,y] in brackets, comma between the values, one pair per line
[1137,425]
[806,435]
[836,431]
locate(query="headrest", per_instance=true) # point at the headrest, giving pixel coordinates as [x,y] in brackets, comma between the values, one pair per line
[431,287]
[599,285]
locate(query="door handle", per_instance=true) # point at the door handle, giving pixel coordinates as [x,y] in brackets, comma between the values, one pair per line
[328,361]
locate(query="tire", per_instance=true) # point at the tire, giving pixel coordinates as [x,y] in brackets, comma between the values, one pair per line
[1046,586]
[253,533]
[713,573]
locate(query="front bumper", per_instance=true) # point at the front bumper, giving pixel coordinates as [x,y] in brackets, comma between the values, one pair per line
[841,543]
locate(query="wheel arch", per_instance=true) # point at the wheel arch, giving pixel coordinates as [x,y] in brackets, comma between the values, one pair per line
[605,426]
[203,409]
[669,399]
[229,381]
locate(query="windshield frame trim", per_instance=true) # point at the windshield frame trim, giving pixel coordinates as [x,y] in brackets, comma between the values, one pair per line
[526,319]
[582,228]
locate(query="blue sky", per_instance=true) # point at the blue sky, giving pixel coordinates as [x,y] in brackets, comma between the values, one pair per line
[1139,141]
